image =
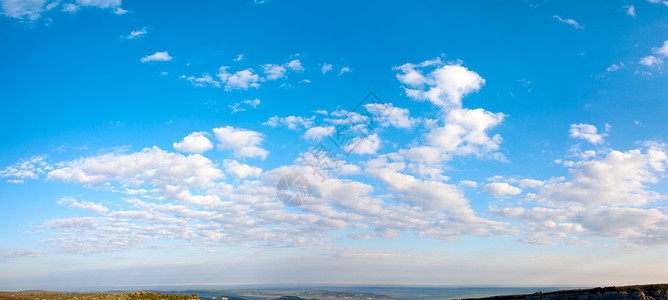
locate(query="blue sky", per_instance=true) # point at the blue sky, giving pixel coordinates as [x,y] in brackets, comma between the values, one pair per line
[519,143]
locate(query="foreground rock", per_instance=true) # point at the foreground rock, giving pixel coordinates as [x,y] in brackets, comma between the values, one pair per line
[634,292]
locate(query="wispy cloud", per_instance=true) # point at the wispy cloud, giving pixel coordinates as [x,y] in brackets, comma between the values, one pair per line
[136,34]
[571,22]
[32,10]
[85,205]
[291,122]
[5,252]
[630,10]
[243,105]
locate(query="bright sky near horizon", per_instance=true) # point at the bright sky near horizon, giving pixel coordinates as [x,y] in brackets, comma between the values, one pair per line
[512,143]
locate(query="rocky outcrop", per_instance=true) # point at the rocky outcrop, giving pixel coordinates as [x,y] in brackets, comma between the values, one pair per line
[632,292]
[638,295]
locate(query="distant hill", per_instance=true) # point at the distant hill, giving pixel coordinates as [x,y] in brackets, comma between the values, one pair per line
[325,294]
[47,295]
[631,292]
[221,298]
[293,298]
[283,294]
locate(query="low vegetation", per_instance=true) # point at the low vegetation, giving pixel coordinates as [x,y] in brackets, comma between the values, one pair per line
[649,288]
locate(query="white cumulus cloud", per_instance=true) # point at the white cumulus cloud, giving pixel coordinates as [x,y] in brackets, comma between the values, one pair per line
[443,86]
[389,115]
[364,145]
[663,50]
[158,56]
[656,59]
[244,143]
[465,133]
[650,60]
[501,189]
[240,80]
[274,71]
[240,170]
[604,196]
[586,132]
[31,168]
[196,142]
[318,132]
[618,178]
[295,65]
[151,166]
[459,131]
[326,68]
